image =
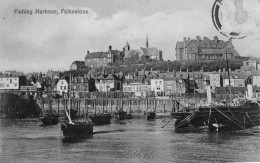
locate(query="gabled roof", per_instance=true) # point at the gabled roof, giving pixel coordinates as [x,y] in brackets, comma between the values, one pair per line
[96,55]
[112,77]
[150,51]
[115,52]
[79,63]
[235,75]
[102,77]
[131,53]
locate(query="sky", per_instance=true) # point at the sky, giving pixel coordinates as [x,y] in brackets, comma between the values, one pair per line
[31,43]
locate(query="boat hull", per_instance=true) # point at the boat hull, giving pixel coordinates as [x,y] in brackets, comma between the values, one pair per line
[77,130]
[219,118]
[100,119]
[51,119]
[151,115]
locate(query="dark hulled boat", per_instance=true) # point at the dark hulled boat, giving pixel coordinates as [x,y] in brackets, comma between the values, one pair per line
[229,118]
[100,119]
[77,129]
[121,114]
[150,115]
[226,117]
[50,119]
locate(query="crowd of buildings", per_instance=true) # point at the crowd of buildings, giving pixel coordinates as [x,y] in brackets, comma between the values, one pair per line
[142,83]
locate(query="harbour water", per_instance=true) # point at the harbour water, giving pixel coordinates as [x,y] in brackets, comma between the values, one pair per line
[135,140]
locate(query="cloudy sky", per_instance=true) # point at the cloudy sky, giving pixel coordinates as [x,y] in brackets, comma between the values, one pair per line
[41,42]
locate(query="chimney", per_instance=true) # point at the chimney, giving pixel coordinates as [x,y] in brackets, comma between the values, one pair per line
[198,38]
[184,39]
[216,39]
[188,38]
[87,52]
[110,47]
[204,38]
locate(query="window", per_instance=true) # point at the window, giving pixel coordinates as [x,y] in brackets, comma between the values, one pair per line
[160,82]
[60,87]
[61,82]
[7,85]
[10,80]
[158,87]
[64,87]
[15,85]
[15,79]
[169,87]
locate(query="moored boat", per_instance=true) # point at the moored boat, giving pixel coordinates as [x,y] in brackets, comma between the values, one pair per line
[100,119]
[76,129]
[121,114]
[222,117]
[150,115]
[50,119]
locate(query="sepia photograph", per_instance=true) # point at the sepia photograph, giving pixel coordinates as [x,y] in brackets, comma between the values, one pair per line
[129,81]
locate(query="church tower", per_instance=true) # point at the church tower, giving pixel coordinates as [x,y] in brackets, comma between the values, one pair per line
[126,48]
[147,43]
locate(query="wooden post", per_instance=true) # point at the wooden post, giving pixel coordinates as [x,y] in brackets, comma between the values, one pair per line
[111,106]
[155,104]
[79,108]
[58,106]
[146,106]
[130,105]
[138,106]
[95,106]
[164,107]
[103,105]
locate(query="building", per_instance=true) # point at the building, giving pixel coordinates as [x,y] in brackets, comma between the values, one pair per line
[206,49]
[82,84]
[143,54]
[77,65]
[12,82]
[251,64]
[62,87]
[215,80]
[256,78]
[99,59]
[170,86]
[236,79]
[107,83]
[157,86]
[182,82]
[141,87]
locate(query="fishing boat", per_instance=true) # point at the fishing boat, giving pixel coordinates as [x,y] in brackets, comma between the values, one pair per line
[121,114]
[99,119]
[76,129]
[243,114]
[150,115]
[50,119]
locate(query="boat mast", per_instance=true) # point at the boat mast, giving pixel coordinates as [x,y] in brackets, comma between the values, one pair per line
[69,95]
[229,85]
